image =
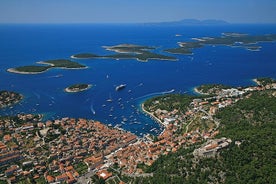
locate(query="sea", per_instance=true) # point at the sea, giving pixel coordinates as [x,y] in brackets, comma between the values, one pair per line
[26,44]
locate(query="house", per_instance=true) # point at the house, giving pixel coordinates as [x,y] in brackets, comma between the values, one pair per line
[104,174]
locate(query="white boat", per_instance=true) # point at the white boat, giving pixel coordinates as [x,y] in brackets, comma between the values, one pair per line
[121,86]
[109,99]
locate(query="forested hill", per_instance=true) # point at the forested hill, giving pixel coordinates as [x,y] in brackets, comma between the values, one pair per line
[250,158]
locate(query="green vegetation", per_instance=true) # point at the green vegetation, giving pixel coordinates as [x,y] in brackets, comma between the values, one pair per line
[229,39]
[169,102]
[250,122]
[81,168]
[32,69]
[129,48]
[263,81]
[97,180]
[40,180]
[211,89]
[3,182]
[64,63]
[85,56]
[77,87]
[128,51]
[145,56]
[186,48]
[58,63]
[149,55]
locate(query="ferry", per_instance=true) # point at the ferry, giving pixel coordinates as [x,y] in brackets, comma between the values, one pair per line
[121,86]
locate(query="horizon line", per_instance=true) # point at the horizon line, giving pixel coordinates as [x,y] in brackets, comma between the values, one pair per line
[200,22]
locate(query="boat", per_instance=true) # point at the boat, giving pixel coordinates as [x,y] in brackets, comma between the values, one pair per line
[92,109]
[153,129]
[120,87]
[109,99]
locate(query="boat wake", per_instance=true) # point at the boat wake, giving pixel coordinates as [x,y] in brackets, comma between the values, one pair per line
[37,95]
[55,76]
[155,94]
[92,108]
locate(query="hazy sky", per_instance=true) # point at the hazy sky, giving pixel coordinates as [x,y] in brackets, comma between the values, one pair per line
[132,11]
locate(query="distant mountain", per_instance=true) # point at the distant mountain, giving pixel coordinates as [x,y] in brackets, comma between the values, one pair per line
[192,22]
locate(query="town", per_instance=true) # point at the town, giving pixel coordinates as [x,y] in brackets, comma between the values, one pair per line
[8,98]
[70,150]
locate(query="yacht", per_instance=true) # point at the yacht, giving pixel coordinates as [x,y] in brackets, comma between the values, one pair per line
[121,86]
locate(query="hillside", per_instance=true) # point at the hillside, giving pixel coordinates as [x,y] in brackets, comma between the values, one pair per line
[250,158]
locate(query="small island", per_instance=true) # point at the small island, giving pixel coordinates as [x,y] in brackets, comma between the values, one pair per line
[9,98]
[77,88]
[127,51]
[57,63]
[245,41]
[84,56]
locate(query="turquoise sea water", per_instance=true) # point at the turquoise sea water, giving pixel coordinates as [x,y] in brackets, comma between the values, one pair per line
[26,44]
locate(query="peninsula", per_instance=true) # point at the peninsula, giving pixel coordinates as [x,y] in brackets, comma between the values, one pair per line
[50,64]
[210,89]
[127,51]
[77,88]
[248,42]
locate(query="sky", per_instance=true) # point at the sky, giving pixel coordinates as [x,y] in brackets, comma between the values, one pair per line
[135,11]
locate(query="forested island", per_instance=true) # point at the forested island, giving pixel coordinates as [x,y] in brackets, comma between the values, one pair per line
[77,88]
[248,42]
[127,51]
[145,53]
[50,64]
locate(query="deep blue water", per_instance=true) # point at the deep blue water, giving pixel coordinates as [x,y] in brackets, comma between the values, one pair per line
[26,44]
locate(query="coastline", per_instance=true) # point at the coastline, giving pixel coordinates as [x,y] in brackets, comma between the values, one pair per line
[256,81]
[45,63]
[152,115]
[135,58]
[13,70]
[75,57]
[195,90]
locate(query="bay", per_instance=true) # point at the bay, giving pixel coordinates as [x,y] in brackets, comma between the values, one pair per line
[23,44]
